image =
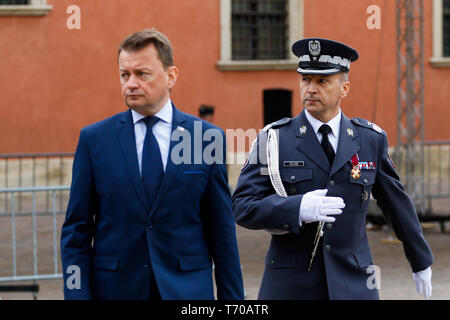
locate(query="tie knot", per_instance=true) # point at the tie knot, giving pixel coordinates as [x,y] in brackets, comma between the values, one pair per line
[325,129]
[150,121]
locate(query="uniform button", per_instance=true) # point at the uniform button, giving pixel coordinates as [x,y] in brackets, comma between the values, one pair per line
[286,227]
[292,177]
[150,227]
[332,183]
[328,247]
[365,181]
[292,191]
[272,262]
[145,265]
[329,226]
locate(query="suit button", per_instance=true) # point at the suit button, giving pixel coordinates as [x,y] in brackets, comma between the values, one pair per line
[292,191]
[292,177]
[332,183]
[329,226]
[365,181]
[328,247]
[286,227]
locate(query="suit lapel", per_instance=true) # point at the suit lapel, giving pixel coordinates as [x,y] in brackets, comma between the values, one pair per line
[128,145]
[171,169]
[308,142]
[348,144]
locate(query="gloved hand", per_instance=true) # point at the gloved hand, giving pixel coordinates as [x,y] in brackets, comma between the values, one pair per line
[423,282]
[316,206]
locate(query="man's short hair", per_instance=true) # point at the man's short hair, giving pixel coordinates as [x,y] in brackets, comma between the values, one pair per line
[144,38]
[344,76]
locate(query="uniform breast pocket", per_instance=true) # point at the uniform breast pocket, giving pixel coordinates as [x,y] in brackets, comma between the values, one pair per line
[296,179]
[358,193]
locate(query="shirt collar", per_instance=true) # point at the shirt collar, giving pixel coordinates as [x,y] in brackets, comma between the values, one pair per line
[164,114]
[333,123]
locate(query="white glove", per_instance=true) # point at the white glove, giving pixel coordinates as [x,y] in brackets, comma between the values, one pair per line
[315,206]
[423,282]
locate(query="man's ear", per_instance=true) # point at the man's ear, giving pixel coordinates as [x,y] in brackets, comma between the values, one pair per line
[345,89]
[172,75]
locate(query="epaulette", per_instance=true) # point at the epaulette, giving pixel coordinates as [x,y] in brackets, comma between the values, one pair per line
[277,123]
[367,124]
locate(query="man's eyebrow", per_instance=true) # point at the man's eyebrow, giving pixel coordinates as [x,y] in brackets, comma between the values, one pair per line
[137,69]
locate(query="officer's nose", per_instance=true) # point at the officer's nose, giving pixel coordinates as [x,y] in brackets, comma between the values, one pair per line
[312,88]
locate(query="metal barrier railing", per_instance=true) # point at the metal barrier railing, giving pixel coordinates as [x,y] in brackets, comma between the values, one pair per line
[19,170]
[436,187]
[436,168]
[31,197]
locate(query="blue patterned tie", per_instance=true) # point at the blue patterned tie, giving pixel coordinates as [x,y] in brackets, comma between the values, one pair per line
[152,168]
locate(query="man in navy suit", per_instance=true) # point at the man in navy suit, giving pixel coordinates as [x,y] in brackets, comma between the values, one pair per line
[147,218]
[318,170]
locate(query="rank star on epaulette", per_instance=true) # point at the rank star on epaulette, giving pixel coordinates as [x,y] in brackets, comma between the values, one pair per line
[374,126]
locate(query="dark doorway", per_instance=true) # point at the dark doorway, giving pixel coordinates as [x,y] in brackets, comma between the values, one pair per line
[277,105]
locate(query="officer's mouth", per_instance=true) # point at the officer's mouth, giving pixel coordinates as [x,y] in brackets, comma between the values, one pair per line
[312,100]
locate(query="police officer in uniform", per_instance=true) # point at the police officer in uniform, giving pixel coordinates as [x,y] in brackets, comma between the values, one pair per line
[313,192]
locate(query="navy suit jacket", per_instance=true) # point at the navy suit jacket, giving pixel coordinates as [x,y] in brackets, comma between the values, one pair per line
[115,238]
[341,266]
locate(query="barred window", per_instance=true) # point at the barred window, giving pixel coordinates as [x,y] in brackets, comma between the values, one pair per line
[259,29]
[14,2]
[446,27]
[24,8]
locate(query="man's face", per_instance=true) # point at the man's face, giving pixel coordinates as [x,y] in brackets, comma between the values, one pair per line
[321,94]
[145,82]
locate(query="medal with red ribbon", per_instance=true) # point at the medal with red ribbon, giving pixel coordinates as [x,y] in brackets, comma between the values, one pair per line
[356,172]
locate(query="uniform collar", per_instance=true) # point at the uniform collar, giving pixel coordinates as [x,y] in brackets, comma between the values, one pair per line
[334,123]
[164,114]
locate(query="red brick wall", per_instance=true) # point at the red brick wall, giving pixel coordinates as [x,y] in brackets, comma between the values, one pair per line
[55,81]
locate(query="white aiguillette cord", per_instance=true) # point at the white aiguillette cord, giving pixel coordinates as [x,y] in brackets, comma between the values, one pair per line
[274,171]
[274,174]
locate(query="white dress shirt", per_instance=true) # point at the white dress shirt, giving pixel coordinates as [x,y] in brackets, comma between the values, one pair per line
[335,125]
[161,130]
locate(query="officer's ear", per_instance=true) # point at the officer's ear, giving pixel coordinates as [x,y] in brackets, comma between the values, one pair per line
[345,88]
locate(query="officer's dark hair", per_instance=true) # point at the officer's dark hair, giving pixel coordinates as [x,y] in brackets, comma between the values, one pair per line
[144,38]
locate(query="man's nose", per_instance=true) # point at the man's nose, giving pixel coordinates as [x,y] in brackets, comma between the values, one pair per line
[132,83]
[312,88]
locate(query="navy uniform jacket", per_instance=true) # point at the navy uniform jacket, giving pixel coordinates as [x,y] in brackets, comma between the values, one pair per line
[339,270]
[113,235]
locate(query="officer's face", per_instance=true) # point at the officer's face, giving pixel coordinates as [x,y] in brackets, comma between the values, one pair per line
[145,82]
[321,94]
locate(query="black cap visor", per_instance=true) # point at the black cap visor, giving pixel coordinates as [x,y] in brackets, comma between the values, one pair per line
[320,68]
